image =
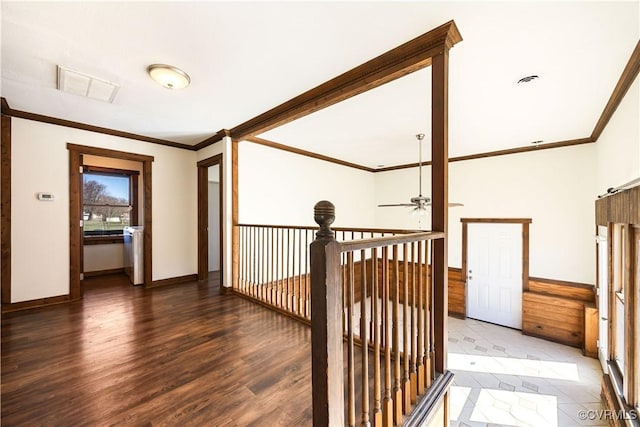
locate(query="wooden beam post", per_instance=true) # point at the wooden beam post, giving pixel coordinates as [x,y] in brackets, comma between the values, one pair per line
[440,201]
[235,237]
[326,326]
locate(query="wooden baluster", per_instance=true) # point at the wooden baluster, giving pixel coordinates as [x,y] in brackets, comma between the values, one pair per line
[282,276]
[326,333]
[387,406]
[294,261]
[300,299]
[263,257]
[406,384]
[421,317]
[289,273]
[307,275]
[253,260]
[243,258]
[272,269]
[364,339]
[412,366]
[430,359]
[397,386]
[375,297]
[351,398]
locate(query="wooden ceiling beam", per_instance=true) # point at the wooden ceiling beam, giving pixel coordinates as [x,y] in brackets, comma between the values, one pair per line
[395,63]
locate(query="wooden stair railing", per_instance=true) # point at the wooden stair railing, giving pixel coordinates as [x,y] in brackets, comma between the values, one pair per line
[273,264]
[387,333]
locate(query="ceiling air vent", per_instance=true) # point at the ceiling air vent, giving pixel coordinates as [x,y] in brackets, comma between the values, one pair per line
[77,83]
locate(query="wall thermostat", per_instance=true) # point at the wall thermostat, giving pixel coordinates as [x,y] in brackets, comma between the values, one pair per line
[48,197]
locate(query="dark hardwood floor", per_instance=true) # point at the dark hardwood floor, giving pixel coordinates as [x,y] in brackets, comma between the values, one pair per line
[176,355]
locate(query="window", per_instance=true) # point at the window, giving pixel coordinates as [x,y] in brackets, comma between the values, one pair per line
[109,201]
[619,279]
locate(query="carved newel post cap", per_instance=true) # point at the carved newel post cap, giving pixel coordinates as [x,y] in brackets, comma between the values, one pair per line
[324,213]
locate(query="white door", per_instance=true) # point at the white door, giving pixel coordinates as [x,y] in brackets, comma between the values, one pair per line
[494,273]
[603,300]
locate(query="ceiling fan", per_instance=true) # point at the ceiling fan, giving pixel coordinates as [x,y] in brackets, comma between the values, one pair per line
[421,203]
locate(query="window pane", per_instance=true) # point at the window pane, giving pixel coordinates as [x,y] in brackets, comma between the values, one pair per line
[106,209]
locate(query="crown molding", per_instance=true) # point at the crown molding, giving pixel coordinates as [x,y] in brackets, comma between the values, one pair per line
[8,111]
[625,81]
[306,153]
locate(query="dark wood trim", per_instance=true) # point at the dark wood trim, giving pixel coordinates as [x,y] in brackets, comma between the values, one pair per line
[214,139]
[110,171]
[203,215]
[5,206]
[440,203]
[622,207]
[497,220]
[40,302]
[306,153]
[172,281]
[562,283]
[75,207]
[425,408]
[102,240]
[402,60]
[148,216]
[235,237]
[632,372]
[90,128]
[627,78]
[105,152]
[75,230]
[525,256]
[103,272]
[505,152]
[4,106]
[525,244]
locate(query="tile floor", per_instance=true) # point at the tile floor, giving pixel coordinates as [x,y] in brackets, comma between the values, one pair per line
[504,378]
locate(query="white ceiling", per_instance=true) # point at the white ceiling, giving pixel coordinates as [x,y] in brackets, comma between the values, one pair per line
[247,57]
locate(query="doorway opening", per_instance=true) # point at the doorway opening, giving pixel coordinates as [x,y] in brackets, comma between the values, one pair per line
[210,215]
[81,213]
[495,263]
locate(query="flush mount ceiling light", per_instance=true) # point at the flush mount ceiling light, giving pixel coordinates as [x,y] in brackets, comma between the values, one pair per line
[169,76]
[528,79]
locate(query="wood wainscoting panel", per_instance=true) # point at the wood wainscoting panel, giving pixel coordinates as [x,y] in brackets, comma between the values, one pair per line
[457,293]
[562,312]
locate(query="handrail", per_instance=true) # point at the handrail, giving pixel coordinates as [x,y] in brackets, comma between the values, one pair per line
[340,229]
[376,242]
[378,294]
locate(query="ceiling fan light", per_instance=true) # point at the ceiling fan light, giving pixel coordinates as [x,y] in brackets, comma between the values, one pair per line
[169,76]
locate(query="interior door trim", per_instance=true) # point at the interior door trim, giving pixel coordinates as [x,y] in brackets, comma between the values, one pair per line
[525,248]
[203,217]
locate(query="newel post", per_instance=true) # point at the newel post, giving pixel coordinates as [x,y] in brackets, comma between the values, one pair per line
[326,322]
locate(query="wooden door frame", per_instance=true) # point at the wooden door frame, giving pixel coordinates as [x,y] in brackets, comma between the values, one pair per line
[525,248]
[75,212]
[203,216]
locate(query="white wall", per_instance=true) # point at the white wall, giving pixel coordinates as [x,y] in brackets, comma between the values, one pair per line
[553,187]
[277,187]
[618,148]
[40,230]
[103,257]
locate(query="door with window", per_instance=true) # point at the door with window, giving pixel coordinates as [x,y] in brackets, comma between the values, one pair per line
[494,273]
